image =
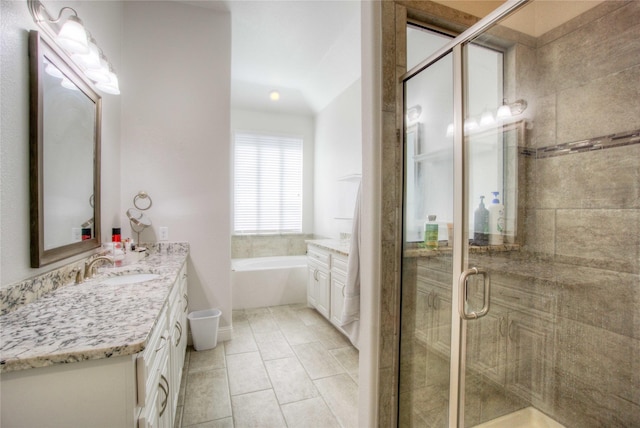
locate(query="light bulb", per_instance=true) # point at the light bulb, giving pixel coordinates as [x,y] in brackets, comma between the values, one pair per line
[487,119]
[274,95]
[504,112]
[73,37]
[110,87]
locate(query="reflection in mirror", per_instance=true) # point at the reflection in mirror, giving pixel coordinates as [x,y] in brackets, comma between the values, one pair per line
[65,142]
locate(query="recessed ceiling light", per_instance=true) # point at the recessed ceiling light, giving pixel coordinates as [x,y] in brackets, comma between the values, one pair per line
[274,95]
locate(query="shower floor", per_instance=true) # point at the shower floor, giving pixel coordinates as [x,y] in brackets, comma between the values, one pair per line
[525,418]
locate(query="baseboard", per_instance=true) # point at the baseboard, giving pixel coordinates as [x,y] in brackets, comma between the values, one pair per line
[224,334]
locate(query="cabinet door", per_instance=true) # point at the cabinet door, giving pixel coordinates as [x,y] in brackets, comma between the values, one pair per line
[439,331]
[337,299]
[311,285]
[323,294]
[486,344]
[530,349]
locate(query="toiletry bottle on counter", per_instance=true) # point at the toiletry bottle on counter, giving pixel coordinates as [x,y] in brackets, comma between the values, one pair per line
[115,235]
[431,232]
[481,224]
[496,221]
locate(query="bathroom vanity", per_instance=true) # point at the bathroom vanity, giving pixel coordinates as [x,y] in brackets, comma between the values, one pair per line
[102,353]
[326,277]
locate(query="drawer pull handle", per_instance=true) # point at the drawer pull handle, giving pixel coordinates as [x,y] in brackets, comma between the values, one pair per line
[163,339]
[178,327]
[186,302]
[166,393]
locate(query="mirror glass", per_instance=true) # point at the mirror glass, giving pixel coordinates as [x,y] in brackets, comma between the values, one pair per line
[65,142]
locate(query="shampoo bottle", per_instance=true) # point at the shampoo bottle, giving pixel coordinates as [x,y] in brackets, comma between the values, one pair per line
[481,224]
[496,221]
[431,233]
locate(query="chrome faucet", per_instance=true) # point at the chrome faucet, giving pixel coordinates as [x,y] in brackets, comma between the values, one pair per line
[90,267]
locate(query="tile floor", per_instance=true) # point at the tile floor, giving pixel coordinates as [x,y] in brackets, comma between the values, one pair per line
[286,366]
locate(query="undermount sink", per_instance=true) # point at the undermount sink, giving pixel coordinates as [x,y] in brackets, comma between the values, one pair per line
[132,278]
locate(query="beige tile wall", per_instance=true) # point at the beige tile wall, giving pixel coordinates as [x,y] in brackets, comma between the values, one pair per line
[581,215]
[249,246]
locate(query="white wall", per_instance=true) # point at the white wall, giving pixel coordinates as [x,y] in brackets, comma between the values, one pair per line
[289,125]
[338,153]
[104,20]
[175,136]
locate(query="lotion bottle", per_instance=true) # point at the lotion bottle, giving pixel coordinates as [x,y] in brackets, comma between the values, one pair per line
[431,233]
[496,221]
[481,224]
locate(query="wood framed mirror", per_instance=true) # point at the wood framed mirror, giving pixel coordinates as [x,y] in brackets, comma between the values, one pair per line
[64,151]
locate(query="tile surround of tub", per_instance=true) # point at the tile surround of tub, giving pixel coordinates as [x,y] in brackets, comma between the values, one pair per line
[250,246]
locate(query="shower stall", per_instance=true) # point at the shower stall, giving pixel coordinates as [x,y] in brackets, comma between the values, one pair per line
[522,138]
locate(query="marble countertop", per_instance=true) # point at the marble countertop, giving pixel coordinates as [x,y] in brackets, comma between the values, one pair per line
[90,320]
[340,246]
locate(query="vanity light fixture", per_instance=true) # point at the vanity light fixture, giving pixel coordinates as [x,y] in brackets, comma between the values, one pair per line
[413,114]
[74,39]
[503,114]
[274,95]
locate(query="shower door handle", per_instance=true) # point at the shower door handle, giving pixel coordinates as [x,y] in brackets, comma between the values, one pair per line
[463,291]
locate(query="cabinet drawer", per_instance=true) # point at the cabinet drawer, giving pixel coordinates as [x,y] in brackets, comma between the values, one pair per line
[318,257]
[339,264]
[148,362]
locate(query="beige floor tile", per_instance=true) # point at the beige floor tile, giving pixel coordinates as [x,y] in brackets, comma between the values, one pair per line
[349,358]
[340,393]
[311,413]
[261,320]
[219,423]
[273,345]
[298,333]
[246,373]
[310,316]
[206,397]
[267,372]
[290,380]
[317,360]
[207,360]
[243,340]
[329,336]
[257,409]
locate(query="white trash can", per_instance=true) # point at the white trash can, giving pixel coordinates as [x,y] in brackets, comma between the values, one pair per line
[204,328]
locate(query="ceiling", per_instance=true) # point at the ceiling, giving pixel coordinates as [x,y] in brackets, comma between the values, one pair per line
[307,50]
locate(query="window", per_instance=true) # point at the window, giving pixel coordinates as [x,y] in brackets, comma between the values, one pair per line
[267,184]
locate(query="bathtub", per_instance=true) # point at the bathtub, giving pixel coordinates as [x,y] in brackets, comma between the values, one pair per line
[268,281]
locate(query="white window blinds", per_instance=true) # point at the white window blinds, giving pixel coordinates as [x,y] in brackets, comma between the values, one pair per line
[267,184]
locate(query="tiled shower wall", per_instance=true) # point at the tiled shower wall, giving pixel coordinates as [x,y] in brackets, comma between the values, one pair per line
[582,209]
[249,246]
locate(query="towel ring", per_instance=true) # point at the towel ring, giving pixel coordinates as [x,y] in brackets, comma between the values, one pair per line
[141,196]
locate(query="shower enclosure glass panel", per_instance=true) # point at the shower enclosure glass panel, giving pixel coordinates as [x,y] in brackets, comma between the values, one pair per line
[560,342]
[427,272]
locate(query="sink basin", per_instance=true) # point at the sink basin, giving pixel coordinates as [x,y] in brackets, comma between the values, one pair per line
[132,278]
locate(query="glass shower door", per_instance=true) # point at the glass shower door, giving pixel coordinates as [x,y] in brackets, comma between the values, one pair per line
[542,326]
[560,343]
[427,272]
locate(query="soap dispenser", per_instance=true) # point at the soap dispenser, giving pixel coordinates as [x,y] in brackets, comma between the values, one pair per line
[496,221]
[481,224]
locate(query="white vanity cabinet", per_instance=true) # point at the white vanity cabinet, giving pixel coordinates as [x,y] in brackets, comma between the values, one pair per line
[327,275]
[318,288]
[338,281]
[137,391]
